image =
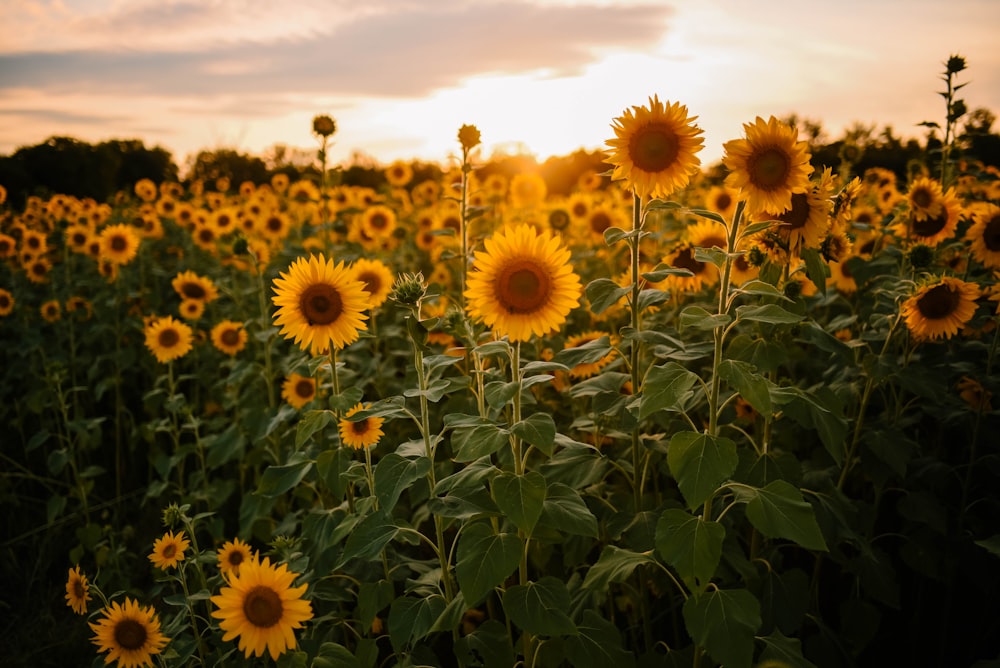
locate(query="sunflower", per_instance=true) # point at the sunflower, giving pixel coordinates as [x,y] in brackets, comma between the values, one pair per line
[588,369]
[933,229]
[8,245]
[51,310]
[600,218]
[280,182]
[298,390]
[360,433]
[984,235]
[77,236]
[189,285]
[378,222]
[938,309]
[261,608]
[34,242]
[229,337]
[522,283]
[232,554]
[924,198]
[129,633]
[768,166]
[119,244]
[145,189]
[805,222]
[841,277]
[77,591]
[655,148]
[377,278]
[275,225]
[168,551]
[6,302]
[77,303]
[168,339]
[191,309]
[398,174]
[527,189]
[722,200]
[320,304]
[204,236]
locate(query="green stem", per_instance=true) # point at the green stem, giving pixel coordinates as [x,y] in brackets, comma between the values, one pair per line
[264,319]
[633,245]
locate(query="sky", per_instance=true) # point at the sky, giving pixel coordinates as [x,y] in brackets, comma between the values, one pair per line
[546,77]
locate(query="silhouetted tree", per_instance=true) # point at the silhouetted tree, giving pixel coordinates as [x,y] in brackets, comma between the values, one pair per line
[238,167]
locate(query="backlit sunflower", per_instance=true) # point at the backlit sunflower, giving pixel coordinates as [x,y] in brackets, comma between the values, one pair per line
[168,550]
[229,337]
[984,235]
[805,222]
[320,304]
[377,278]
[360,433]
[261,608]
[77,591]
[522,284]
[655,148]
[298,390]
[768,166]
[398,174]
[6,302]
[129,633]
[119,244]
[722,200]
[600,218]
[378,222]
[924,198]
[233,554]
[937,310]
[527,189]
[932,229]
[168,339]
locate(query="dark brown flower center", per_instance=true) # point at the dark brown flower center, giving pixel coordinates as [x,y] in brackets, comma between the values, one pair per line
[378,221]
[169,550]
[79,591]
[523,287]
[579,209]
[169,338]
[723,200]
[796,217]
[230,337]
[360,427]
[921,197]
[274,224]
[685,260]
[321,304]
[262,607]
[235,558]
[372,281]
[654,147]
[938,302]
[599,222]
[130,634]
[928,227]
[769,168]
[558,219]
[118,243]
[192,290]
[991,234]
[305,389]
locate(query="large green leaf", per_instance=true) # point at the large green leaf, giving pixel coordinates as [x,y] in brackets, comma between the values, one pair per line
[752,386]
[310,423]
[691,545]
[520,498]
[277,480]
[540,607]
[787,651]
[565,511]
[470,442]
[779,511]
[724,622]
[394,474]
[369,538]
[603,293]
[411,619]
[597,645]
[489,645]
[700,463]
[586,353]
[769,313]
[664,387]
[614,565]
[538,429]
[697,317]
[485,559]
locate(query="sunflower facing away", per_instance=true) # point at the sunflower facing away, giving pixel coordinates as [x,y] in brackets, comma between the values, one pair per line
[168,551]
[768,166]
[77,591]
[168,339]
[229,337]
[655,148]
[361,433]
[129,634]
[320,304]
[939,309]
[232,554]
[261,608]
[522,284]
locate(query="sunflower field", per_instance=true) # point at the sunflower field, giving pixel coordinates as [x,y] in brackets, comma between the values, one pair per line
[681,416]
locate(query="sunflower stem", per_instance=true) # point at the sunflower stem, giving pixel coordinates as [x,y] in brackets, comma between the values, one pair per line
[335,379]
[265,318]
[634,345]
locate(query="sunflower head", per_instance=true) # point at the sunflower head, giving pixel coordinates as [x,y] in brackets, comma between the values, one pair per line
[229,337]
[168,339]
[655,148]
[129,633]
[939,308]
[468,137]
[320,304]
[298,390]
[360,432]
[768,165]
[168,550]
[522,284]
[77,591]
[232,554]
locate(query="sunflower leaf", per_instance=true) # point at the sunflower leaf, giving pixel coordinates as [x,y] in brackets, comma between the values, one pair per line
[485,559]
[724,621]
[538,429]
[603,293]
[700,463]
[769,313]
[520,498]
[539,607]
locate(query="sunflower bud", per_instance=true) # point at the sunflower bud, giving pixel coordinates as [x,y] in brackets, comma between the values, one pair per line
[240,246]
[756,257]
[793,289]
[468,137]
[955,64]
[921,256]
[409,289]
[324,125]
[174,514]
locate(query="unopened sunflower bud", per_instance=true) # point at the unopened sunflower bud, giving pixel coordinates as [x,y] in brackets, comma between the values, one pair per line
[955,64]
[409,289]
[324,125]
[921,256]
[468,136]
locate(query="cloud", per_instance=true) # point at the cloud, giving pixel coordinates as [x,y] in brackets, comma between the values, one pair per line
[60,116]
[408,52]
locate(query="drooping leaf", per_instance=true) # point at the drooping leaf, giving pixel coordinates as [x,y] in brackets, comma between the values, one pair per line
[538,429]
[369,538]
[410,618]
[603,293]
[751,385]
[565,511]
[394,474]
[724,622]
[779,511]
[700,463]
[520,498]
[664,387]
[489,644]
[598,644]
[769,313]
[276,480]
[691,545]
[478,440]
[485,559]
[614,565]
[540,607]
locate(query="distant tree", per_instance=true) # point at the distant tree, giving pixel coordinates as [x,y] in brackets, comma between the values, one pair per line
[978,140]
[238,167]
